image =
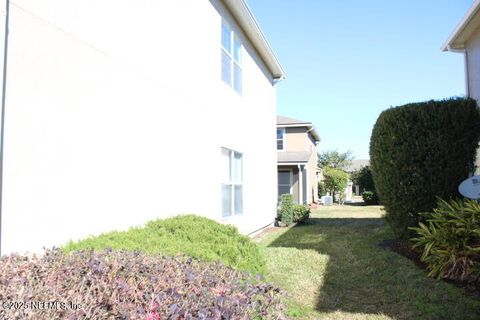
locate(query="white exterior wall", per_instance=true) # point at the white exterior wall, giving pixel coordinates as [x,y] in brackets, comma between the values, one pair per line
[473,65]
[116,115]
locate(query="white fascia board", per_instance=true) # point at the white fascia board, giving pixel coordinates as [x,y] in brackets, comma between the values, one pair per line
[292,125]
[293,163]
[247,22]
[308,125]
[469,23]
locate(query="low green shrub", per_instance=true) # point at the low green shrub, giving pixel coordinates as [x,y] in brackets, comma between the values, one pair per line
[300,212]
[131,285]
[450,240]
[285,213]
[370,197]
[195,236]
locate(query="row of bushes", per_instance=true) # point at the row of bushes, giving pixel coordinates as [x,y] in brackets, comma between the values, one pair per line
[130,285]
[290,212]
[195,236]
[144,273]
[370,198]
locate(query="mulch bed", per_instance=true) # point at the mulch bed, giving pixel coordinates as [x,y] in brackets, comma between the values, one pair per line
[402,247]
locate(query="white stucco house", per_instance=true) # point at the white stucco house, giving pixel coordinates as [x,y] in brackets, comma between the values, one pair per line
[117,112]
[466,39]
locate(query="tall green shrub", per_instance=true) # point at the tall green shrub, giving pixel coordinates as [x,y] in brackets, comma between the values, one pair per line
[421,151]
[335,180]
[285,213]
[364,179]
[321,189]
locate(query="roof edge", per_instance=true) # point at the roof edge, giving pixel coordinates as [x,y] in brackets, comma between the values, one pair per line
[246,20]
[460,28]
[311,128]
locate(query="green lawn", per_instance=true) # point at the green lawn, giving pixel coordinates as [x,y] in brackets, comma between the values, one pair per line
[332,268]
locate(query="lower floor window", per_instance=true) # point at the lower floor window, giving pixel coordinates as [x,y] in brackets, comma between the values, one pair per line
[284,183]
[232,183]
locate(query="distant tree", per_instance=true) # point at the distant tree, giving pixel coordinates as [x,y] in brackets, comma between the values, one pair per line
[335,159]
[363,178]
[335,180]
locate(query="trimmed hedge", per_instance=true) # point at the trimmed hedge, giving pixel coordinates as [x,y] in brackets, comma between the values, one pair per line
[130,285]
[285,212]
[422,151]
[370,198]
[290,212]
[300,212]
[195,236]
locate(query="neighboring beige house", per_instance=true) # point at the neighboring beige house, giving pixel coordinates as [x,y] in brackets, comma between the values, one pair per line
[466,39]
[353,189]
[297,159]
[118,112]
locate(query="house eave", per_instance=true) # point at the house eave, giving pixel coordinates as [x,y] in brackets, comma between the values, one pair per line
[247,22]
[292,163]
[310,127]
[469,23]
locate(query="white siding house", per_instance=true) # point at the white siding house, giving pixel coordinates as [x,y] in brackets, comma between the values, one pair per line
[122,111]
[466,39]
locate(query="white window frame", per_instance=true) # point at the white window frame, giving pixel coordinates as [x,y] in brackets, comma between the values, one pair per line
[233,184]
[283,139]
[233,62]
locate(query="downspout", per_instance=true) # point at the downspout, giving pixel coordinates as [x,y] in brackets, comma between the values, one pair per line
[467,85]
[2,129]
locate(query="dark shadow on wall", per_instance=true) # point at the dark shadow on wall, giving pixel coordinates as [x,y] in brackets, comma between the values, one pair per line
[359,277]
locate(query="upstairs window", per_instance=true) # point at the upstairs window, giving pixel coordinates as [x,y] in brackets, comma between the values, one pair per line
[231,58]
[232,183]
[280,138]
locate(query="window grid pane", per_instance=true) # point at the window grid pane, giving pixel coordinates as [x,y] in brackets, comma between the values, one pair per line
[237,168]
[279,133]
[237,78]
[231,59]
[237,50]
[238,199]
[226,68]
[226,38]
[226,200]
[280,144]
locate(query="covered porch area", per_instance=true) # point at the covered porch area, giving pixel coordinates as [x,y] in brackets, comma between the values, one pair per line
[293,176]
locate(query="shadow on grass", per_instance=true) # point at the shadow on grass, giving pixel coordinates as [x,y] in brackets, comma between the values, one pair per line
[363,278]
[355,204]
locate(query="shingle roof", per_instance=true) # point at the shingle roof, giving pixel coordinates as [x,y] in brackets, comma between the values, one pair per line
[357,164]
[293,156]
[287,120]
[290,122]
